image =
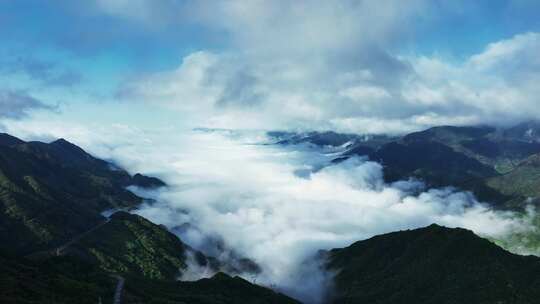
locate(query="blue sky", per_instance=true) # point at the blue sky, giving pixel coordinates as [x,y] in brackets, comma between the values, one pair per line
[291,64]
[124,79]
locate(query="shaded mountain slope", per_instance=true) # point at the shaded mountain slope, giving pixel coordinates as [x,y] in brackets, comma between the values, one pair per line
[51,192]
[485,160]
[220,289]
[66,280]
[433,265]
[58,280]
[436,163]
[51,199]
[129,243]
[500,149]
[521,183]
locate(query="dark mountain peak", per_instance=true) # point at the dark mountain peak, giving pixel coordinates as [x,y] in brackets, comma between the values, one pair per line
[533,160]
[64,144]
[443,229]
[436,227]
[61,141]
[446,234]
[144,181]
[72,155]
[221,276]
[449,133]
[123,215]
[325,138]
[449,265]
[527,131]
[535,124]
[8,140]
[437,234]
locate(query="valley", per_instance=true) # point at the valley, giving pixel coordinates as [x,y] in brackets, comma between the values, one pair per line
[149,260]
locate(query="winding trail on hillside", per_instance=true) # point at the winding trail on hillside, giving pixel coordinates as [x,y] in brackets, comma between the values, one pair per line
[119,288]
[58,251]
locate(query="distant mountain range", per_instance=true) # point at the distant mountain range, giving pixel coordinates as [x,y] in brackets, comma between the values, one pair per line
[499,165]
[57,247]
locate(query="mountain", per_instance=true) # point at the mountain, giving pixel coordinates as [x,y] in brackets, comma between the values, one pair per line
[493,163]
[129,243]
[219,289]
[59,280]
[432,265]
[8,140]
[52,192]
[57,247]
[66,280]
[470,158]
[143,181]
[528,131]
[365,143]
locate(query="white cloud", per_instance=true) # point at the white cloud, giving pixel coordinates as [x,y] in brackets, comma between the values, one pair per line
[498,84]
[520,51]
[252,198]
[290,64]
[259,202]
[336,66]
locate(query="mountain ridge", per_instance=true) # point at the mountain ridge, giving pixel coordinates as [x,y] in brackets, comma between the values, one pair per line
[433,264]
[471,158]
[52,197]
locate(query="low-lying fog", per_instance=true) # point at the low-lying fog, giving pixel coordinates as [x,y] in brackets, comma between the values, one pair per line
[235,194]
[279,205]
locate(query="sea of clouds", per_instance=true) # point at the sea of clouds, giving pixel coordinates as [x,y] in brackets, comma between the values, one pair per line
[235,194]
[232,192]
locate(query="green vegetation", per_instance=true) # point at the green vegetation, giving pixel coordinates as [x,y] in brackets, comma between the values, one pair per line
[58,280]
[522,182]
[50,193]
[220,289]
[66,280]
[433,265]
[131,244]
[51,199]
[498,165]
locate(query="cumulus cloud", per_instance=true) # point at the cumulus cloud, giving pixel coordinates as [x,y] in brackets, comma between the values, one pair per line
[287,62]
[498,84]
[329,65]
[17,104]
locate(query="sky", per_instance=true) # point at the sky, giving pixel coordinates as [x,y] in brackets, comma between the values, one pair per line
[129,80]
[355,66]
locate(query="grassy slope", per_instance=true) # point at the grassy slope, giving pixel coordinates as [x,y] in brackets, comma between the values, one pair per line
[131,244]
[52,192]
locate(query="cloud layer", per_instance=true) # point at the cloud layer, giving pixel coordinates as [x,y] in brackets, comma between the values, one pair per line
[231,196]
[268,203]
[340,66]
